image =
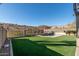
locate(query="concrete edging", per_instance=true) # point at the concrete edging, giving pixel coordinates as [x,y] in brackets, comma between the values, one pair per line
[11,49]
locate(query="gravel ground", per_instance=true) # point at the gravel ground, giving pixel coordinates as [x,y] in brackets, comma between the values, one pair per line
[56,35]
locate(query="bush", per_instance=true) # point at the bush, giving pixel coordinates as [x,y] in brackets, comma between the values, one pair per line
[70,32]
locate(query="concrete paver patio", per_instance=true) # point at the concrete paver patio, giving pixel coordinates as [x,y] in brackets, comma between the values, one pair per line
[5,50]
[77,47]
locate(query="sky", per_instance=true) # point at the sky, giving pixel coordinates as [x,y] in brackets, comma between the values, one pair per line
[36,14]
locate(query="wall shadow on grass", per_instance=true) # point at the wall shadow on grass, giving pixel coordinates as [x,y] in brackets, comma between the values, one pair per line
[30,48]
[58,43]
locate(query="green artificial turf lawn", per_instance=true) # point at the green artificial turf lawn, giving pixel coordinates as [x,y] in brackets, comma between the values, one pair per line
[44,46]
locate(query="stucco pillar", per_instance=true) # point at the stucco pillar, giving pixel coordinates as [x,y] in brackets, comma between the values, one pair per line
[77,25]
[76,11]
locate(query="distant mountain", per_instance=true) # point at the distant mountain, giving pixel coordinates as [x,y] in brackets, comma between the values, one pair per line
[70,26]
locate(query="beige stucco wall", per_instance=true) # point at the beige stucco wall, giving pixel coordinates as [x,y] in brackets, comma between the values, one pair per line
[14,33]
[2,37]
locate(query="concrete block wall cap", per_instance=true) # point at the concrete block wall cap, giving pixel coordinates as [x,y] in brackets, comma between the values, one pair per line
[77,38]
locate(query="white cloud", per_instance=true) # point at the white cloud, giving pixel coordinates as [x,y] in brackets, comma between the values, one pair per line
[5,21]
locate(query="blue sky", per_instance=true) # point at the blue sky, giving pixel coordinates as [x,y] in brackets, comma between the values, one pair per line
[37,14]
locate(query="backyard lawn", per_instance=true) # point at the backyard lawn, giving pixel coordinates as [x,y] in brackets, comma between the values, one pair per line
[44,46]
